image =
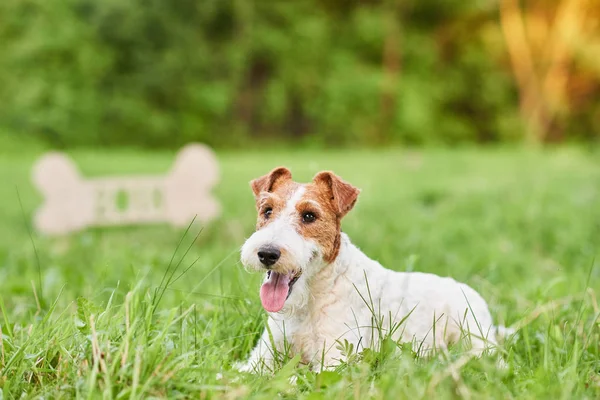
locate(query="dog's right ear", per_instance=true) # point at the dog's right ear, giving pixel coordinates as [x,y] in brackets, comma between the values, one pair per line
[269,182]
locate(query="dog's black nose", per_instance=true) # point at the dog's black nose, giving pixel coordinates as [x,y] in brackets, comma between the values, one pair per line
[268,256]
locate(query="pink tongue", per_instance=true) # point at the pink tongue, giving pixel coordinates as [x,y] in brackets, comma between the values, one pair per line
[274,291]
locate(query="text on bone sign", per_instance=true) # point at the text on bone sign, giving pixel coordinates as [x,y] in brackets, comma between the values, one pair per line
[129,201]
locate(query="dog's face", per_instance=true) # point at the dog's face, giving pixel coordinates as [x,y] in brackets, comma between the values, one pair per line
[297,232]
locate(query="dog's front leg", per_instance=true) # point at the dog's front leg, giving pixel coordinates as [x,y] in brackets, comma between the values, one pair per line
[261,358]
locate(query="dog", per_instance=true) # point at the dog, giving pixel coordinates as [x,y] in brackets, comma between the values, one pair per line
[320,290]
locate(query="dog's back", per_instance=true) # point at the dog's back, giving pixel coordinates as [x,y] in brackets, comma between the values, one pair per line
[421,307]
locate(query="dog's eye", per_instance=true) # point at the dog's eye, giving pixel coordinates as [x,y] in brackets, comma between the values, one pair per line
[267,212]
[308,217]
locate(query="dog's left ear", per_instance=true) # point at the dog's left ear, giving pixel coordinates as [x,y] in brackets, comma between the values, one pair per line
[343,194]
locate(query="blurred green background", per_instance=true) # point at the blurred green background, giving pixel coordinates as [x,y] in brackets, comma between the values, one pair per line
[233,73]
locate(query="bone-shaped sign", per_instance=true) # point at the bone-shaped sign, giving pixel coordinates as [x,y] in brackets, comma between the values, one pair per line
[73,203]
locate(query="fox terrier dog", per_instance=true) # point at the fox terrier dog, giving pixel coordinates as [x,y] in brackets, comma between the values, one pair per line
[320,289]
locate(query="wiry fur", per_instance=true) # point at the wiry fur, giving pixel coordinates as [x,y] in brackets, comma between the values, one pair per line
[340,290]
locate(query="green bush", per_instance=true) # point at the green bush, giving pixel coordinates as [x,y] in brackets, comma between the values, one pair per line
[235,72]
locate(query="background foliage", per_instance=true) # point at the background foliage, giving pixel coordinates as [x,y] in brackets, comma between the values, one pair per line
[232,72]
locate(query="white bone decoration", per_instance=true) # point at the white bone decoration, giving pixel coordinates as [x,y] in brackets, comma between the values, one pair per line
[72,202]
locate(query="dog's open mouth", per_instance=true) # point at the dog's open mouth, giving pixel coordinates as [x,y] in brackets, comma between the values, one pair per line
[276,289]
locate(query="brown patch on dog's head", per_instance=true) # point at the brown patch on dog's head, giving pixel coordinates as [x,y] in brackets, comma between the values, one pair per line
[329,199]
[316,215]
[271,192]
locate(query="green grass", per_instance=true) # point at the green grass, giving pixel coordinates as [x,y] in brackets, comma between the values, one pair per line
[522,228]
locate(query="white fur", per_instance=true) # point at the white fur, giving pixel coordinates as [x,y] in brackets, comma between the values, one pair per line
[341,300]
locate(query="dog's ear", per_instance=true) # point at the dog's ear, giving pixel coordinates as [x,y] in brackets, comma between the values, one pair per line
[343,194]
[269,182]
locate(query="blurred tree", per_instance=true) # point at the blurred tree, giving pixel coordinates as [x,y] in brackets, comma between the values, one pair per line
[554,51]
[234,72]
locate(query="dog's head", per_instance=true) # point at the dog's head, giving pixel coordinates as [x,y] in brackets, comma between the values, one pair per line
[297,232]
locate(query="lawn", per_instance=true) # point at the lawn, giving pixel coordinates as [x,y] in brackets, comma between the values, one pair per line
[97,315]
